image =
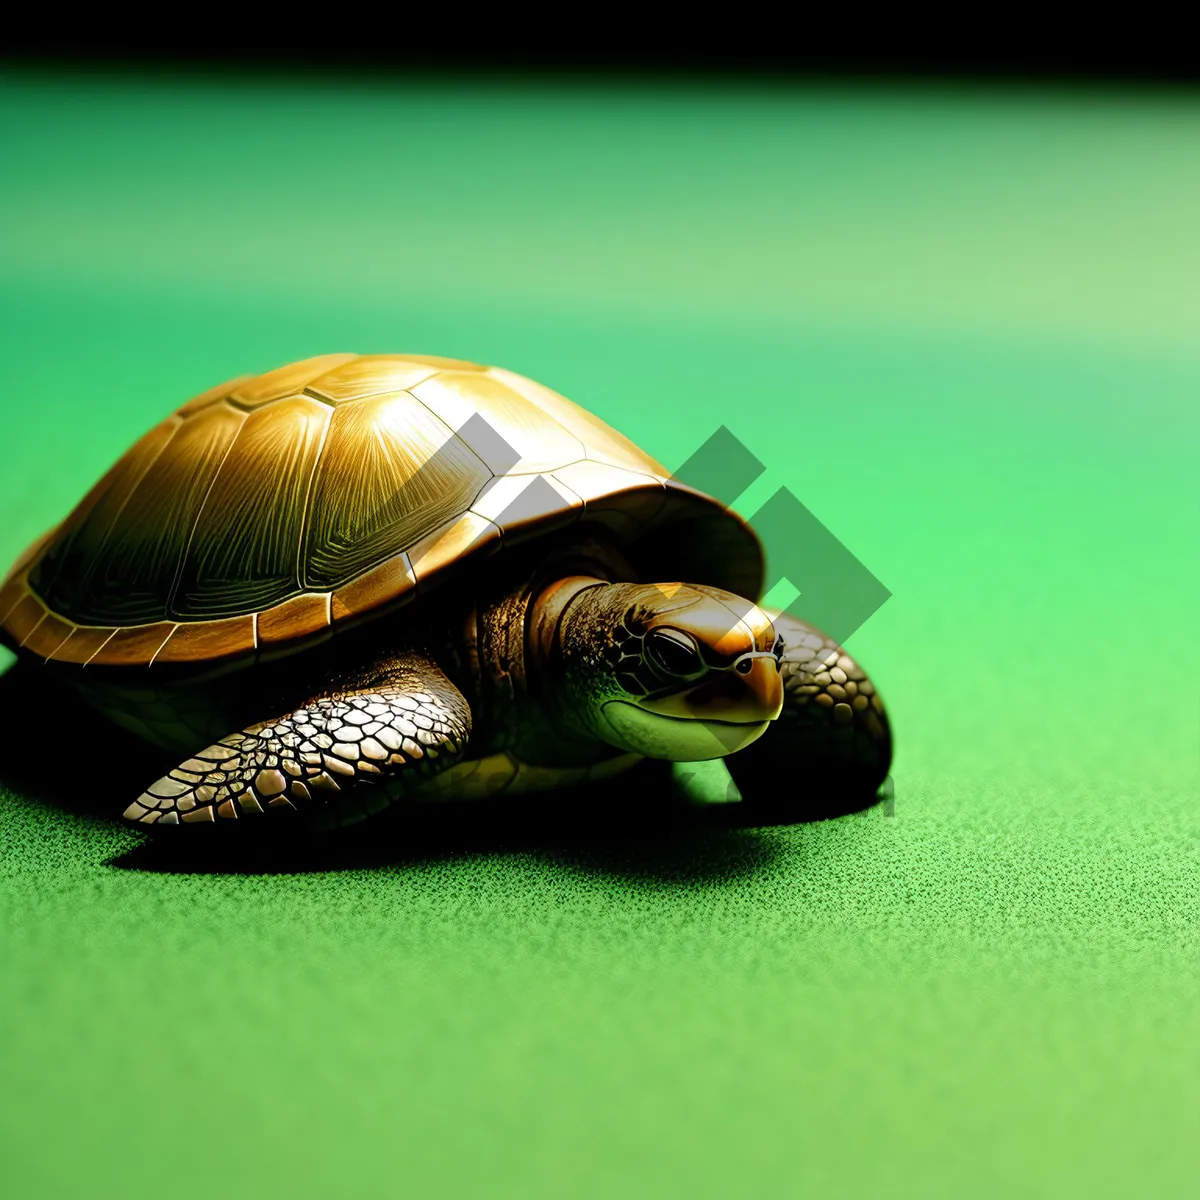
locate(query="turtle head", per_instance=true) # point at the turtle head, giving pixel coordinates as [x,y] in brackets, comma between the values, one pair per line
[672,671]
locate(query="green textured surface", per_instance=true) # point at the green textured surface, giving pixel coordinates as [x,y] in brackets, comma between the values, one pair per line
[962,330]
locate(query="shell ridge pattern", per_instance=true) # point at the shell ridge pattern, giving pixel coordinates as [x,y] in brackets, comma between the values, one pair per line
[601,443]
[152,538]
[484,488]
[102,645]
[212,483]
[466,445]
[312,394]
[547,415]
[100,490]
[516,417]
[567,432]
[567,488]
[306,509]
[385,454]
[395,375]
[154,656]
[531,475]
[353,485]
[243,557]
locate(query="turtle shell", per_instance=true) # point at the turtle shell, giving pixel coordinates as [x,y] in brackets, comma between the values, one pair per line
[271,510]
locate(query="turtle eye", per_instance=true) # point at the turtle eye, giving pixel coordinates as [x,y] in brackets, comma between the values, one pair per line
[673,653]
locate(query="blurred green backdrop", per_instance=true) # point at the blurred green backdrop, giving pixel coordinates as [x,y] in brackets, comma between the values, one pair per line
[961,326]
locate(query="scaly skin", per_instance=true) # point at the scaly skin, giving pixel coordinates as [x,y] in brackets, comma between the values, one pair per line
[323,759]
[614,685]
[543,683]
[832,743]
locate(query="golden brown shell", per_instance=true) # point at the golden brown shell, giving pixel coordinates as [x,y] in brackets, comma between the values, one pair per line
[269,510]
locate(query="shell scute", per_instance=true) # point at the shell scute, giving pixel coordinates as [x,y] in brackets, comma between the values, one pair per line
[604,444]
[269,511]
[48,635]
[211,396]
[119,566]
[81,549]
[25,616]
[524,505]
[369,375]
[391,473]
[603,488]
[200,641]
[469,533]
[522,441]
[391,580]
[136,644]
[261,491]
[83,645]
[285,381]
[14,591]
[300,617]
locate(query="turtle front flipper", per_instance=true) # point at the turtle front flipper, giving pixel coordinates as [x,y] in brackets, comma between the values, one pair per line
[830,748]
[338,759]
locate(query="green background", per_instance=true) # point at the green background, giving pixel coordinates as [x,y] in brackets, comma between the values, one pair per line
[961,327]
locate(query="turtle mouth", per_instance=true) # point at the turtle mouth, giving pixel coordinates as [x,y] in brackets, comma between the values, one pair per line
[679,739]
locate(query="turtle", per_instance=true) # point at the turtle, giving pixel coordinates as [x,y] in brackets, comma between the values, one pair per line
[360,579]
